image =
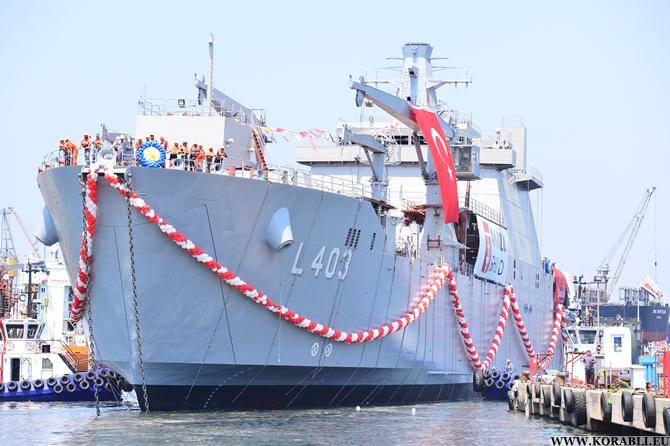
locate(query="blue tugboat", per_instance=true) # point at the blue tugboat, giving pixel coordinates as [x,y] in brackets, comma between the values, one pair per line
[33,370]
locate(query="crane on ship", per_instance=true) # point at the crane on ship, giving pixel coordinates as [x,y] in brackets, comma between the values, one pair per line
[627,239]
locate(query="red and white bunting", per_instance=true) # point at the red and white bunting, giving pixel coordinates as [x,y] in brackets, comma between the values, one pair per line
[419,306]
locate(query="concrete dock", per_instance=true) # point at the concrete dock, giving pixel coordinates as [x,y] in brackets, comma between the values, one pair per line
[583,408]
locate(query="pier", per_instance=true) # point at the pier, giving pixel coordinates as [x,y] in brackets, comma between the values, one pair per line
[584,408]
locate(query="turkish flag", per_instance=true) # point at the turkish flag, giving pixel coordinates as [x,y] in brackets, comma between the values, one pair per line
[444,164]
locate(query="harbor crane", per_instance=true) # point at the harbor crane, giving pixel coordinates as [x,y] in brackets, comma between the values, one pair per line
[7,240]
[628,239]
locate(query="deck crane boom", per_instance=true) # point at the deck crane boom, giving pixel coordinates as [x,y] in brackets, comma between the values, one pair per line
[629,235]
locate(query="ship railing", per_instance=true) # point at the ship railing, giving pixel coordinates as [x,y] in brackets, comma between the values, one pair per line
[233,167]
[484,210]
[191,107]
[74,361]
[529,171]
[307,179]
[60,158]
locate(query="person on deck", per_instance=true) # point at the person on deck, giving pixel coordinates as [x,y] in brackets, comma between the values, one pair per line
[220,155]
[174,153]
[589,362]
[62,153]
[97,142]
[86,147]
[72,151]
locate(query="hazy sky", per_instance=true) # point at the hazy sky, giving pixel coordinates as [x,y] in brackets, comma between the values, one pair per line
[589,78]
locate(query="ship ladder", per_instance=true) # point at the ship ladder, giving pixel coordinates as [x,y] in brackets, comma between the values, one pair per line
[258,148]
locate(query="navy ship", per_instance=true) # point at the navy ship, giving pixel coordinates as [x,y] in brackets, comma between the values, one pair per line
[351,242]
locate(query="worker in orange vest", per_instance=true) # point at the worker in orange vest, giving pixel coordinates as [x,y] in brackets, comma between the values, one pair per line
[62,153]
[97,142]
[72,152]
[174,153]
[85,146]
[138,143]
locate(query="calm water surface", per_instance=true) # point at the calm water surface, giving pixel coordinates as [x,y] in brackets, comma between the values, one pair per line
[483,423]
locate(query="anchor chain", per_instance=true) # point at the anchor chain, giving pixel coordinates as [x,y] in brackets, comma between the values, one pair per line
[89,314]
[136,309]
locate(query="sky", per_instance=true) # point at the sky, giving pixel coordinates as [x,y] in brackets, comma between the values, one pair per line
[589,78]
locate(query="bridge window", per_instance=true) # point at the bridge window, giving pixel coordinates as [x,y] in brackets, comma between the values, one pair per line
[14,331]
[587,336]
[32,331]
[47,364]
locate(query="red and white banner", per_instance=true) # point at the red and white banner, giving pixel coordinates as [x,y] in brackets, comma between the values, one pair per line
[444,164]
[492,255]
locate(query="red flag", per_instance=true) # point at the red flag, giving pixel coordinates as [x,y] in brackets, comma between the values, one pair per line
[444,164]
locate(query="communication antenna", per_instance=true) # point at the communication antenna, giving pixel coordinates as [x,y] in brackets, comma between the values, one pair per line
[655,239]
[210,82]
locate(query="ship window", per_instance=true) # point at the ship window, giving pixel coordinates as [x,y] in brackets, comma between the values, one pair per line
[14,331]
[514,270]
[587,336]
[401,139]
[47,364]
[618,344]
[372,243]
[32,331]
[537,280]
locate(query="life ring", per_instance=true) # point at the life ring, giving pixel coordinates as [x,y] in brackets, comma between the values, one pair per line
[599,348]
[151,154]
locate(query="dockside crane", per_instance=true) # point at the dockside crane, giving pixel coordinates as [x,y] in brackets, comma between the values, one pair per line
[628,237]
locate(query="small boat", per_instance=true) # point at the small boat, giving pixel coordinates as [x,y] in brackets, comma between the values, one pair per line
[32,369]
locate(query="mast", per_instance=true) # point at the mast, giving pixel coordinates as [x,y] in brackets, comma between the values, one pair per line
[210,81]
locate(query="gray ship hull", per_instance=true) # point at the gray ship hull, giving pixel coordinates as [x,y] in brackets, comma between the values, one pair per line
[206,346]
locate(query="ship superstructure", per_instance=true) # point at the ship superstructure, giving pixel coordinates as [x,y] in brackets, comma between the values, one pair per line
[351,243]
